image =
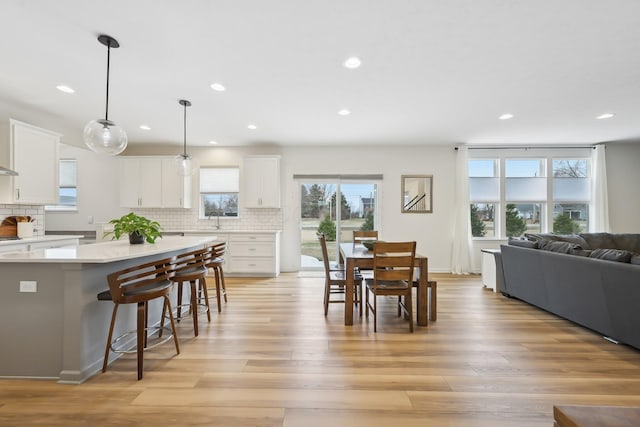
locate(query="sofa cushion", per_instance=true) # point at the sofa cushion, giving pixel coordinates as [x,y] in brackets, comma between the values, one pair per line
[557,246]
[619,255]
[523,243]
[570,238]
[635,259]
[627,241]
[599,240]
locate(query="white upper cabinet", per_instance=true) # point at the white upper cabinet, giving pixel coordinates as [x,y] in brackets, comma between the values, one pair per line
[176,189]
[33,153]
[261,178]
[152,182]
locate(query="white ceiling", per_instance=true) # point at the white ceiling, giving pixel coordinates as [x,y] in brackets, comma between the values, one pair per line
[434,71]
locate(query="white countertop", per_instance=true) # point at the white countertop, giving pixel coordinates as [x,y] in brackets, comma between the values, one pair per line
[104,252]
[223,231]
[37,239]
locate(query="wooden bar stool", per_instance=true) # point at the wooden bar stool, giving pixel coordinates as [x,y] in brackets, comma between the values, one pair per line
[216,261]
[191,267]
[139,285]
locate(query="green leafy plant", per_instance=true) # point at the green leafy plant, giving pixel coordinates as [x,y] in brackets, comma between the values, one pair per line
[368,221]
[515,223]
[328,228]
[563,224]
[477,226]
[135,224]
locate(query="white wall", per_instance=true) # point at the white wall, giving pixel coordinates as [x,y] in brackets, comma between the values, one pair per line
[431,231]
[98,192]
[623,177]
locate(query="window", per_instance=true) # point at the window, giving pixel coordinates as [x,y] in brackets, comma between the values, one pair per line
[219,189]
[67,189]
[571,194]
[511,196]
[484,188]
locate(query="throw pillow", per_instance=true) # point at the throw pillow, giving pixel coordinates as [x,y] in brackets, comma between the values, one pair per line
[523,243]
[560,247]
[612,254]
[635,259]
[570,238]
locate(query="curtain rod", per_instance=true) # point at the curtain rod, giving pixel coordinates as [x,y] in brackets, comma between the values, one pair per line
[518,147]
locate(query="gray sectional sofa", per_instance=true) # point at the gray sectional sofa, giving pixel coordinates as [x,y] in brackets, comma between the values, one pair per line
[592,279]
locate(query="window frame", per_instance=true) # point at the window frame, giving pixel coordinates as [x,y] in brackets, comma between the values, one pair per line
[500,156]
[58,207]
[201,194]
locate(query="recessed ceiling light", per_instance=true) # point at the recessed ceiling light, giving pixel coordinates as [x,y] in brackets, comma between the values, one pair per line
[145,127]
[605,116]
[506,116]
[344,112]
[218,87]
[352,63]
[65,89]
[252,127]
[213,142]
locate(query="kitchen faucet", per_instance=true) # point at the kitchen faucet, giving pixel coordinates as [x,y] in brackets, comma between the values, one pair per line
[217,218]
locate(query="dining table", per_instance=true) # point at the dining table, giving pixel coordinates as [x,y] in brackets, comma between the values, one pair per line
[354,256]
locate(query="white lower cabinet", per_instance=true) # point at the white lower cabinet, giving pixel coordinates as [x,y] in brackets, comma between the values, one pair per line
[255,254]
[249,254]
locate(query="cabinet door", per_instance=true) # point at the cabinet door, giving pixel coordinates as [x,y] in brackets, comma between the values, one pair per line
[176,189]
[262,182]
[35,158]
[150,183]
[140,182]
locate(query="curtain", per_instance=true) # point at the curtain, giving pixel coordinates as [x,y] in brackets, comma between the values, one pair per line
[461,260]
[599,197]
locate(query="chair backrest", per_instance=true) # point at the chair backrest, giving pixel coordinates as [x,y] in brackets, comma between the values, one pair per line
[393,261]
[191,260]
[325,253]
[358,235]
[139,276]
[217,251]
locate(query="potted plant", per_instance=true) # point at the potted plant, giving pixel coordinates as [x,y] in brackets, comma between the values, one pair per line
[137,227]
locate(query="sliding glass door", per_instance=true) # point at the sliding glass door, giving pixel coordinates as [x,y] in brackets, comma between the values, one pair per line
[334,207]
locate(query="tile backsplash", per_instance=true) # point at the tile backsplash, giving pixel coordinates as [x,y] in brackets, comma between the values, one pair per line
[34,211]
[188,219]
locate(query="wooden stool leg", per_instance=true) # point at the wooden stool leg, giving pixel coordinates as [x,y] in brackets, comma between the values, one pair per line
[140,340]
[194,307]
[215,270]
[179,303]
[202,286]
[224,289]
[167,303]
[109,337]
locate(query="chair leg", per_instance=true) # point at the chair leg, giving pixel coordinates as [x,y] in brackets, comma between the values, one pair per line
[164,310]
[215,270]
[202,286]
[140,340]
[167,303]
[327,290]
[109,337]
[179,303]
[375,313]
[408,302]
[224,289]
[194,307]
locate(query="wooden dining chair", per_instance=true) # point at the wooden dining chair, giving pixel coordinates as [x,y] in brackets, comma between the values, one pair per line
[392,275]
[139,285]
[360,235]
[336,282]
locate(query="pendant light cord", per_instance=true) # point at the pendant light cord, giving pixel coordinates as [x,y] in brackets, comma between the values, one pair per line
[185,131]
[106,109]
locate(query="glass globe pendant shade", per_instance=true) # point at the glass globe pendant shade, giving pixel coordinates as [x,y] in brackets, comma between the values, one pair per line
[105,137]
[185,165]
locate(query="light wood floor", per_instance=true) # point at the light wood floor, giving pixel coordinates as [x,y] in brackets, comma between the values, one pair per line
[271,358]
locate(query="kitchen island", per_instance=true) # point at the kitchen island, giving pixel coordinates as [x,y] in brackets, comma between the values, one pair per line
[51,323]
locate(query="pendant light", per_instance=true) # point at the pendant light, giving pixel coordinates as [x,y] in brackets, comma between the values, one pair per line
[185,165]
[102,135]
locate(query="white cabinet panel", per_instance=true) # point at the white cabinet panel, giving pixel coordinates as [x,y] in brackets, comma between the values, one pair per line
[153,182]
[261,177]
[33,153]
[254,254]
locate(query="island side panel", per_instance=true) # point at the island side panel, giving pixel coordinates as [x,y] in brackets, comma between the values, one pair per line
[31,323]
